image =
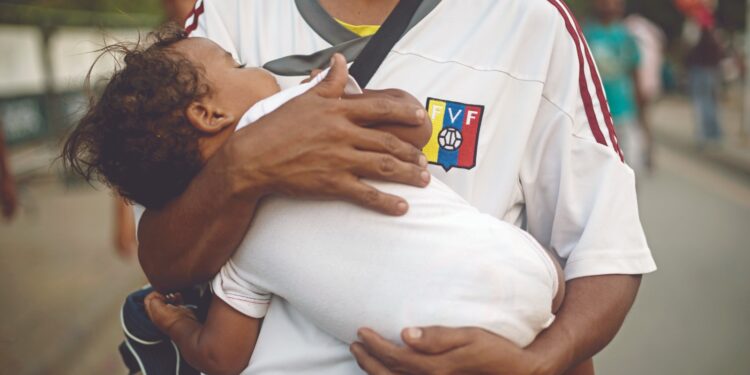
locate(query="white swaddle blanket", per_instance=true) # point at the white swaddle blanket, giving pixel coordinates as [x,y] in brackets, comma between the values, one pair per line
[345,267]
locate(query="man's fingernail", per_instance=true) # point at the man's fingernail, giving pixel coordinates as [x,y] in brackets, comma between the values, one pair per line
[414,333]
[333,60]
[401,207]
[421,114]
[422,160]
[425,176]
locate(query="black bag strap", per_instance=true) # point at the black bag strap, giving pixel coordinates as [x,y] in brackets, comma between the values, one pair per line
[381,43]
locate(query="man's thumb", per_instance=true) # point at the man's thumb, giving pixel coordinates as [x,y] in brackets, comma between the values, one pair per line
[334,83]
[435,340]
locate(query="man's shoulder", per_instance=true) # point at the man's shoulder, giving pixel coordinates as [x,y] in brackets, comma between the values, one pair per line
[510,23]
[516,37]
[530,10]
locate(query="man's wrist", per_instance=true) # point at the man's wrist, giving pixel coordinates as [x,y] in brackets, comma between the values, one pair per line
[242,178]
[550,357]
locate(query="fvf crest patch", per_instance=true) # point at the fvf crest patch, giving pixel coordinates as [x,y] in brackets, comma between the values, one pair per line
[455,133]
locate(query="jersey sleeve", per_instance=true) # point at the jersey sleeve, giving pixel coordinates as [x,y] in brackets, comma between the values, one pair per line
[215,20]
[240,294]
[580,196]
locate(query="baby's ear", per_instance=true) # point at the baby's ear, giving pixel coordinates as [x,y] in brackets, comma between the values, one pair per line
[208,118]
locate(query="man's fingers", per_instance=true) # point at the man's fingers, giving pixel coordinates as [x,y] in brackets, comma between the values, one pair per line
[384,167]
[438,340]
[384,350]
[367,362]
[314,73]
[396,358]
[367,196]
[373,109]
[396,93]
[384,142]
[334,83]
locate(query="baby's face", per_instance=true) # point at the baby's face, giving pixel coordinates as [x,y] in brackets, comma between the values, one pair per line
[234,87]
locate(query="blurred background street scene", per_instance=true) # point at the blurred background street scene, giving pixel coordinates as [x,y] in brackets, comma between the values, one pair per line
[675,72]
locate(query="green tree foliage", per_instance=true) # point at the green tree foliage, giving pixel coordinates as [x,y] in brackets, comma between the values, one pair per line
[125,6]
[730,13]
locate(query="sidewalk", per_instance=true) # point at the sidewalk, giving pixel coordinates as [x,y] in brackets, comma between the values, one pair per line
[673,124]
[62,283]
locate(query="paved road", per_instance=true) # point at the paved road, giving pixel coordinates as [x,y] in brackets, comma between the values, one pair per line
[62,285]
[691,316]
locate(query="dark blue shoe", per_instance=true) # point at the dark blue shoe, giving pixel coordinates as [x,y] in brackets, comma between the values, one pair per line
[146,349]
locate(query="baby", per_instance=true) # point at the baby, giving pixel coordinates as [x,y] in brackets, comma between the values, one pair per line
[444,263]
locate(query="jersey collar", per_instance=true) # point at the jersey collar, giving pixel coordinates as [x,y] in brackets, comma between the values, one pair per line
[341,39]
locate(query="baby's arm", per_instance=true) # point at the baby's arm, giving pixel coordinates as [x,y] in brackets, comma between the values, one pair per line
[223,345]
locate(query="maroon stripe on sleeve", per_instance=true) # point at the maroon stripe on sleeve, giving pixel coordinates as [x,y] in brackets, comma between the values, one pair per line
[599,90]
[582,83]
[196,13]
[184,22]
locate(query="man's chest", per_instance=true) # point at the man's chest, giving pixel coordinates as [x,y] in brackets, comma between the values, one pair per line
[481,123]
[481,107]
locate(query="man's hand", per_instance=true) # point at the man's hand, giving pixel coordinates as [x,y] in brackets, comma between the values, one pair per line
[440,350]
[319,145]
[592,312]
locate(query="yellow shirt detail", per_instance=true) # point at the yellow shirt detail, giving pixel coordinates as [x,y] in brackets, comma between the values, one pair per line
[361,30]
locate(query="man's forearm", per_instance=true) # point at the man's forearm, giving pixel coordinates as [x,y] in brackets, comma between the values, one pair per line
[191,238]
[593,312]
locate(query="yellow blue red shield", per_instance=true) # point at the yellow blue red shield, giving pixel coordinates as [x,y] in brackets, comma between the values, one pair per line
[455,133]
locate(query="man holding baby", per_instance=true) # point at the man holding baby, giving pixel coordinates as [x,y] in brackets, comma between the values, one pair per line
[539,151]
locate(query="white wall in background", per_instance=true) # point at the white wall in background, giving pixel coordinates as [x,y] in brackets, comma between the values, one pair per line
[21,69]
[74,51]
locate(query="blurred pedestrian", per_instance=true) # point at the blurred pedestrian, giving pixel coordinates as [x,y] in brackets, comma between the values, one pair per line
[651,41]
[618,58]
[177,10]
[703,60]
[8,199]
[126,243]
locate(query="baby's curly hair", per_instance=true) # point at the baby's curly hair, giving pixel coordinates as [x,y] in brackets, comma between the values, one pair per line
[135,137]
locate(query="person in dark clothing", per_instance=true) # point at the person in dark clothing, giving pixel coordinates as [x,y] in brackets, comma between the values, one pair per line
[703,69]
[8,200]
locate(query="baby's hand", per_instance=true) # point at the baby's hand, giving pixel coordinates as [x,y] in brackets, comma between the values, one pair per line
[313,74]
[164,312]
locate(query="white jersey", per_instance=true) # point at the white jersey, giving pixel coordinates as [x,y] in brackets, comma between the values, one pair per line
[344,267]
[522,130]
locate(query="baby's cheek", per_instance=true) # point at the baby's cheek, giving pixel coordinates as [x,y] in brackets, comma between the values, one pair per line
[264,82]
[272,85]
